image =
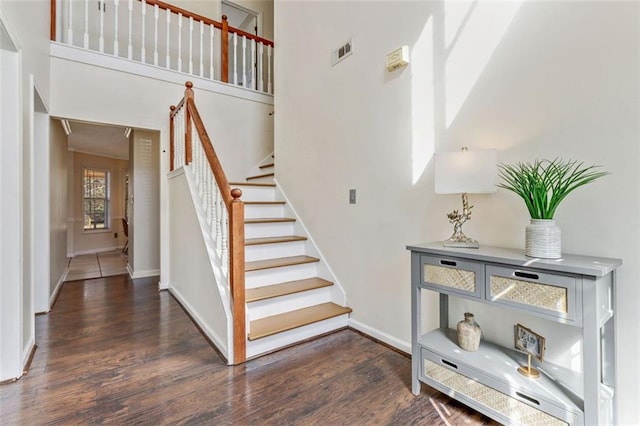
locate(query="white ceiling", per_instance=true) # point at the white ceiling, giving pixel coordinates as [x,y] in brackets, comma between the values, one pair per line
[98,139]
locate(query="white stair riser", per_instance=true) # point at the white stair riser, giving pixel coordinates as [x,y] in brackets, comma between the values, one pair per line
[288,303]
[263,210]
[279,340]
[272,251]
[264,277]
[257,230]
[256,193]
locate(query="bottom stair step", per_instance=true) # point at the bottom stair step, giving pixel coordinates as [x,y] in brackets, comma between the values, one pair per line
[278,323]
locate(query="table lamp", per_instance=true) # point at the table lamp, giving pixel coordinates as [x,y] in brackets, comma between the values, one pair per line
[464,172]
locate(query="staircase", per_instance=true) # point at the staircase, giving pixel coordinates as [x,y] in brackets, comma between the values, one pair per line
[290,295]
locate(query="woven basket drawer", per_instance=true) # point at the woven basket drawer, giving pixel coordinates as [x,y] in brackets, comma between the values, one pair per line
[508,408]
[551,295]
[453,276]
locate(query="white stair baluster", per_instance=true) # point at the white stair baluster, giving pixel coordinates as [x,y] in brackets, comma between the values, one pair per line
[235,58]
[269,88]
[260,71]
[244,61]
[214,211]
[101,10]
[253,65]
[211,30]
[85,37]
[116,48]
[179,42]
[156,11]
[130,46]
[70,27]
[210,190]
[168,58]
[143,51]
[224,253]
[201,48]
[190,45]
[219,209]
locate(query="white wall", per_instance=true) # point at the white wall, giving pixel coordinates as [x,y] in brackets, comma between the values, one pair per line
[543,79]
[193,280]
[58,175]
[144,204]
[27,24]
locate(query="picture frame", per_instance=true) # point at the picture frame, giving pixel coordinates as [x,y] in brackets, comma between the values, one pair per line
[529,341]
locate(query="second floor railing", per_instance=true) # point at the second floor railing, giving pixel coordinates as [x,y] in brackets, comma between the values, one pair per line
[164,35]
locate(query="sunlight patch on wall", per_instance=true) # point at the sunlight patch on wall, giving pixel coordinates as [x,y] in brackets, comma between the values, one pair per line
[422,102]
[476,30]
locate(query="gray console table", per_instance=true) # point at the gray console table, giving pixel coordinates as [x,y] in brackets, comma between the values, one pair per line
[577,291]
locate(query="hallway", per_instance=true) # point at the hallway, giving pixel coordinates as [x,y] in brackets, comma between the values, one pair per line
[117,350]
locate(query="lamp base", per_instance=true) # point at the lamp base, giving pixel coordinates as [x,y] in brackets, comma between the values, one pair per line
[461,241]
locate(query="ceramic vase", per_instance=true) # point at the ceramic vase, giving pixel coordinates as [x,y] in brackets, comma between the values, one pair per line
[469,333]
[543,239]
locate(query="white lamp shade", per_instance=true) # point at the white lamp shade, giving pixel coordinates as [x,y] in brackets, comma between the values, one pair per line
[473,172]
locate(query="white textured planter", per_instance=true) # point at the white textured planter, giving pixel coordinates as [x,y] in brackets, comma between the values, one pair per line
[543,239]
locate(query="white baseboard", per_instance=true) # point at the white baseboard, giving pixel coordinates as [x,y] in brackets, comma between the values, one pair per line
[380,335]
[56,290]
[27,351]
[220,343]
[163,285]
[142,274]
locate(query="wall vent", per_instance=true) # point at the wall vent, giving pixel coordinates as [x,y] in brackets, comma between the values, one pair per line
[342,52]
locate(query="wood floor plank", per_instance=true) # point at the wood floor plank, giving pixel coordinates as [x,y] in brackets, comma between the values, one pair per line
[300,317]
[279,262]
[282,289]
[115,350]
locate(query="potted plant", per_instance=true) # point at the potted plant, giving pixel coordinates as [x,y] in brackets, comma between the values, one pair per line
[543,185]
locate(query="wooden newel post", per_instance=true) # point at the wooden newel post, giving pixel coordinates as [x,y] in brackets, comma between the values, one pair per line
[53,20]
[236,270]
[188,94]
[172,142]
[225,50]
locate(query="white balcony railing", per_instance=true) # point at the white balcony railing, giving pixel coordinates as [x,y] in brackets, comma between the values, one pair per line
[163,35]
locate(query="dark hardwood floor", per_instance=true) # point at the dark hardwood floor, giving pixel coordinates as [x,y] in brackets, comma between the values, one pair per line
[118,351]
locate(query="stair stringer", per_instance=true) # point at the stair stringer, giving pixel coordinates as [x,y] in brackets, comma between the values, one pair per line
[221,280]
[338,294]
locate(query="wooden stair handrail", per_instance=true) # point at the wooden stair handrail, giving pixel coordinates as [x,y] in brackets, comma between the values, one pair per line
[208,21]
[234,205]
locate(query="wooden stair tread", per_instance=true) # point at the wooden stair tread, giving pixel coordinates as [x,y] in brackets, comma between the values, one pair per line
[261,176]
[266,203]
[264,166]
[269,220]
[288,321]
[257,265]
[268,185]
[282,289]
[273,240]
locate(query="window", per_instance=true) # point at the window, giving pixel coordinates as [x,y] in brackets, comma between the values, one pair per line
[95,187]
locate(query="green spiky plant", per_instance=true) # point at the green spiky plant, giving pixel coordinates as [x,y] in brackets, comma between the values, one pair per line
[545,183]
